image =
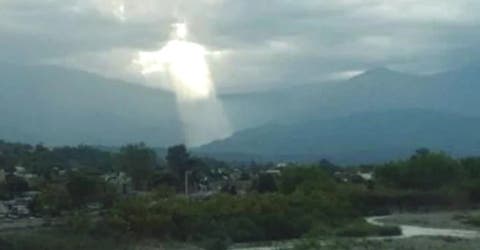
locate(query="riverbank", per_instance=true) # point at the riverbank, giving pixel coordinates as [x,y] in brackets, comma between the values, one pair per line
[437,230]
[441,220]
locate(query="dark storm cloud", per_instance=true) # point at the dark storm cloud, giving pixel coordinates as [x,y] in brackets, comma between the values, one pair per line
[258,44]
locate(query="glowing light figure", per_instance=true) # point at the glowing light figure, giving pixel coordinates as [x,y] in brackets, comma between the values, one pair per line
[186,64]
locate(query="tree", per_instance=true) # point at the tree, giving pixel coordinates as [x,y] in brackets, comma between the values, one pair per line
[178,160]
[328,166]
[305,179]
[53,199]
[163,178]
[266,183]
[425,170]
[421,152]
[472,167]
[83,157]
[16,184]
[83,187]
[138,162]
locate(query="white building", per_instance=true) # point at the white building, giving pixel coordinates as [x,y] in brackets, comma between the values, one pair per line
[120,180]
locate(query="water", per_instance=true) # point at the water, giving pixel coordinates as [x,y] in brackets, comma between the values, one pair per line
[409,231]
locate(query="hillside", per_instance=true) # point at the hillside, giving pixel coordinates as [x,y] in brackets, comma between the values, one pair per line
[364,137]
[375,90]
[59,106]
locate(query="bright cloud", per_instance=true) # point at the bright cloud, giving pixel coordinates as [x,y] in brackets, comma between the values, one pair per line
[251,44]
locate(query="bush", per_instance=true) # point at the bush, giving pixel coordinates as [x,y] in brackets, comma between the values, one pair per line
[253,217]
[15,184]
[472,189]
[423,171]
[473,220]
[80,223]
[305,179]
[58,240]
[219,243]
[84,187]
[389,231]
[266,183]
[243,229]
[53,199]
[363,229]
[5,245]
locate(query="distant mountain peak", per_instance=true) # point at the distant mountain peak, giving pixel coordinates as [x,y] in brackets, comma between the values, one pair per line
[379,70]
[380,73]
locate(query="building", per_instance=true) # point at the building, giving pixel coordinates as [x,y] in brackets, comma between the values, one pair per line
[120,181]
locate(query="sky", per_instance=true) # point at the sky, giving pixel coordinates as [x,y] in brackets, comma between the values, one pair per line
[253,44]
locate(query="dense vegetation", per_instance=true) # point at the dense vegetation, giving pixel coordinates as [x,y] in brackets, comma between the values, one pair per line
[435,178]
[290,202]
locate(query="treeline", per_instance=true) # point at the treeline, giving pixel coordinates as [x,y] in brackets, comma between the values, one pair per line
[73,177]
[427,170]
[427,180]
[279,203]
[42,160]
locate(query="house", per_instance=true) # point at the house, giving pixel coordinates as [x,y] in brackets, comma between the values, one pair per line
[19,171]
[19,206]
[273,172]
[30,178]
[282,165]
[203,184]
[120,181]
[366,176]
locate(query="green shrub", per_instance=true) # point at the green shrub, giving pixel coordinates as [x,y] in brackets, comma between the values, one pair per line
[59,240]
[253,217]
[219,243]
[389,231]
[363,229]
[53,199]
[80,223]
[473,220]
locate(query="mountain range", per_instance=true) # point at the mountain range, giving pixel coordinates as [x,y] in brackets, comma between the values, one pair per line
[357,138]
[376,116]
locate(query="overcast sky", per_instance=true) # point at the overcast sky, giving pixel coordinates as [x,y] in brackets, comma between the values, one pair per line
[255,44]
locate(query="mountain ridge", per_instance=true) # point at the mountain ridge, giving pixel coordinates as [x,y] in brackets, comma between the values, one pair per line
[397,133]
[59,106]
